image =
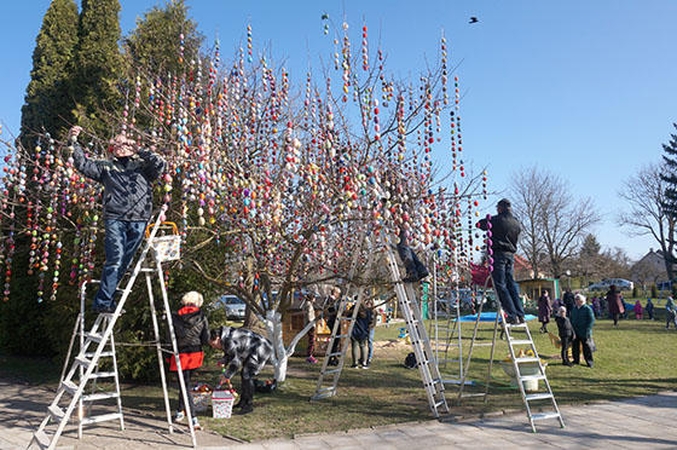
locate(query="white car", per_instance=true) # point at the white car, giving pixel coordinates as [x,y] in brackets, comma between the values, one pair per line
[604,285]
[234,306]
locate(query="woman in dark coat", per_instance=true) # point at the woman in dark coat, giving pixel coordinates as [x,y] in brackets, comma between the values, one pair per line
[614,303]
[544,311]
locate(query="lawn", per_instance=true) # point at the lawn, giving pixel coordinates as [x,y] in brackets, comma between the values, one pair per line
[632,360]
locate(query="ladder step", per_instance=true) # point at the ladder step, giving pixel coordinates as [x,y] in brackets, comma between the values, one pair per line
[527,359]
[532,377]
[101,418]
[80,359]
[331,371]
[42,439]
[106,354]
[69,387]
[540,396]
[94,337]
[99,396]
[544,416]
[56,412]
[98,375]
[324,393]
[521,341]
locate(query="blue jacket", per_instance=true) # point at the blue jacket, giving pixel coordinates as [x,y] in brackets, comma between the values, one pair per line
[127,182]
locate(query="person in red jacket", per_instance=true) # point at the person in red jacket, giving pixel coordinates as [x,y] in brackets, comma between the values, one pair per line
[192,332]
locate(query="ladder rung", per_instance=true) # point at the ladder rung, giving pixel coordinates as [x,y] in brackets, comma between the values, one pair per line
[56,412]
[324,393]
[527,359]
[532,377]
[99,396]
[331,371]
[80,359]
[101,418]
[520,342]
[69,387]
[42,439]
[97,375]
[543,416]
[106,354]
[94,337]
[540,396]
[516,325]
[147,269]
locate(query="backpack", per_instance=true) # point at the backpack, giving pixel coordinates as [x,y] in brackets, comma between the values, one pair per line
[410,361]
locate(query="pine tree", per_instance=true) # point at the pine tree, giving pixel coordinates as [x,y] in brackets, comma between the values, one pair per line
[155,44]
[97,67]
[47,105]
[670,178]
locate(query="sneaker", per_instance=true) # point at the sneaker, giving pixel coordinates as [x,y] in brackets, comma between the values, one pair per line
[246,409]
[354,366]
[180,415]
[365,366]
[196,424]
[311,359]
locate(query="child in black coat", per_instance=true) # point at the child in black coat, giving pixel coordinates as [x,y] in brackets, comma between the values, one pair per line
[566,333]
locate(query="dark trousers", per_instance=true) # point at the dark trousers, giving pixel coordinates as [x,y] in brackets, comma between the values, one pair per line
[187,375]
[576,350]
[566,344]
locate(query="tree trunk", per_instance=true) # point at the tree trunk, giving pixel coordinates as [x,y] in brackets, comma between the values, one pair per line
[280,359]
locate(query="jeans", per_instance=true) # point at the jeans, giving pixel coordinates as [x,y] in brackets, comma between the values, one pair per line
[120,243]
[504,283]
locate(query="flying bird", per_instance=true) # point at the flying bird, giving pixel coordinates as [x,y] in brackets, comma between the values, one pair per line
[473,19]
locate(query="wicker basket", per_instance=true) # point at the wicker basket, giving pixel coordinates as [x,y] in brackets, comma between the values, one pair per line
[201,400]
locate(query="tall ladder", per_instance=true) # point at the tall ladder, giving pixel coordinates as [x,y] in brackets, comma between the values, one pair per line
[425,358]
[446,340]
[98,342]
[527,367]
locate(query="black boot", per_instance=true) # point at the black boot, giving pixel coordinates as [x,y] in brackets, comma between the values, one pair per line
[247,397]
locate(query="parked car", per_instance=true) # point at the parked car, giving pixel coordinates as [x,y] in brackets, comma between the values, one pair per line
[234,306]
[621,283]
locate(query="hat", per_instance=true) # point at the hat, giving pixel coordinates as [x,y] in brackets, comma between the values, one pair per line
[504,202]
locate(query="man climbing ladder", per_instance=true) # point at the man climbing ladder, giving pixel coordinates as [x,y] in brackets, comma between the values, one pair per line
[127,179]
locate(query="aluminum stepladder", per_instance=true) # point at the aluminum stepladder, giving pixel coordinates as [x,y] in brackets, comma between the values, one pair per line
[425,358]
[99,342]
[524,357]
[337,347]
[339,342]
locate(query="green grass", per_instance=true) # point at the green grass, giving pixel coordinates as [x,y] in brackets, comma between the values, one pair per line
[632,360]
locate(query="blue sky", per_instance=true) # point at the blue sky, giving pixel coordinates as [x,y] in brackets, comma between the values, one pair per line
[584,89]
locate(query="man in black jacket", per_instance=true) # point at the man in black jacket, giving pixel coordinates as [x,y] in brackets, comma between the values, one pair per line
[505,230]
[127,179]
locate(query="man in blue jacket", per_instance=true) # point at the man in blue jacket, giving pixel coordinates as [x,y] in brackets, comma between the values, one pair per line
[127,179]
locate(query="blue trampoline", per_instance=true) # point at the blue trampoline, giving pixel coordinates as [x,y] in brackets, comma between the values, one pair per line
[489,317]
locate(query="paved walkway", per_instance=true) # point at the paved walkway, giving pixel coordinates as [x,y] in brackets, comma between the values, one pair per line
[644,423]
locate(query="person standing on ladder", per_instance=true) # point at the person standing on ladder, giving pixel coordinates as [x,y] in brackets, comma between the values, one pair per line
[127,179]
[505,231]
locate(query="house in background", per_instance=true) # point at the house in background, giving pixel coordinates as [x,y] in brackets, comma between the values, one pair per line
[649,270]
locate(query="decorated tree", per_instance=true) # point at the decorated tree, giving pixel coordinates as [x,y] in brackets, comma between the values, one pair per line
[280,187]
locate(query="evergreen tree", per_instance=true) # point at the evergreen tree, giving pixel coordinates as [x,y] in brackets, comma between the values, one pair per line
[156,45]
[47,105]
[97,66]
[670,178]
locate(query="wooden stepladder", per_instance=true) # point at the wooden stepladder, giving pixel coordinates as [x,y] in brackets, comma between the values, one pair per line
[79,386]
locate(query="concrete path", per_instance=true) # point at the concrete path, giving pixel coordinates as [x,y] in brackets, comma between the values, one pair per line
[641,423]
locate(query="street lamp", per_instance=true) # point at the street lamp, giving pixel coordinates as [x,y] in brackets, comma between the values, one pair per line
[568,272]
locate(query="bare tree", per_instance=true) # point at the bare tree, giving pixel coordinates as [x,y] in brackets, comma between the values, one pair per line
[554,222]
[645,214]
[529,187]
